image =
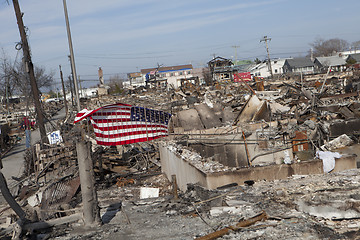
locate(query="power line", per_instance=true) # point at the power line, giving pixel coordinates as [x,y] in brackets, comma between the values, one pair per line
[124,58]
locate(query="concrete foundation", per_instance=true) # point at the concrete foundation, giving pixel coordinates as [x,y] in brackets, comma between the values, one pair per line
[345,162]
[186,171]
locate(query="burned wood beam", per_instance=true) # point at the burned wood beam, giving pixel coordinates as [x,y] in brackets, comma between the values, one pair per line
[260,217]
[346,112]
[48,224]
[337,96]
[175,187]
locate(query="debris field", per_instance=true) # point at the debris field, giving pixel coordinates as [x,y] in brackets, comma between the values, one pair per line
[261,160]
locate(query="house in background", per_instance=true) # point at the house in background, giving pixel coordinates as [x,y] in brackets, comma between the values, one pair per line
[346,54]
[336,62]
[244,68]
[262,69]
[134,79]
[299,66]
[200,74]
[354,57]
[221,69]
[167,76]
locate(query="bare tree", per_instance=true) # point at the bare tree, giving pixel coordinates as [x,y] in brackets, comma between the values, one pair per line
[116,84]
[21,79]
[356,45]
[207,76]
[328,47]
[6,75]
[14,77]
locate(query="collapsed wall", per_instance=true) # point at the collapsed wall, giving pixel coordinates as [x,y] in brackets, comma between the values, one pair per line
[234,154]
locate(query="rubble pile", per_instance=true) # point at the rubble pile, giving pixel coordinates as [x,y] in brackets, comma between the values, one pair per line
[300,207]
[222,129]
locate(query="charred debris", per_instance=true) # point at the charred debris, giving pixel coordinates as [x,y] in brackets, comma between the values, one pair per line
[243,160]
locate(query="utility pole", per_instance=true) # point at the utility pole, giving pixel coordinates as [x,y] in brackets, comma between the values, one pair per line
[236,47]
[71,82]
[64,92]
[72,60]
[81,89]
[30,69]
[266,39]
[91,213]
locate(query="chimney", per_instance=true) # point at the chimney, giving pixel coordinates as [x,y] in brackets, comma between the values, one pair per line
[101,76]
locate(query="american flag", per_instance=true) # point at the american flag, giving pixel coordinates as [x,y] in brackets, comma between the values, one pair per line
[119,124]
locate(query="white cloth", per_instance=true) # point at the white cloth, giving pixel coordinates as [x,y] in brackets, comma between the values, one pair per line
[328,159]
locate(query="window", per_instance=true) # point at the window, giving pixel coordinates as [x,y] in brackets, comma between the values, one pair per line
[180,73]
[188,72]
[171,74]
[224,76]
[276,70]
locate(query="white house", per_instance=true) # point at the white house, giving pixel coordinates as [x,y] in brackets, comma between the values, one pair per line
[134,79]
[167,76]
[262,69]
[87,92]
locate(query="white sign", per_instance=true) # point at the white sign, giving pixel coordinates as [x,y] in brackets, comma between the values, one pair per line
[55,137]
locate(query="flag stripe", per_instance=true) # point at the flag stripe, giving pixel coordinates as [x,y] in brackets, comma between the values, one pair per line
[125,125]
[134,134]
[120,124]
[124,142]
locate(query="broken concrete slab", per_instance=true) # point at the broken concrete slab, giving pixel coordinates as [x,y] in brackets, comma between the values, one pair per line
[253,110]
[228,115]
[339,142]
[207,116]
[329,210]
[190,120]
[278,108]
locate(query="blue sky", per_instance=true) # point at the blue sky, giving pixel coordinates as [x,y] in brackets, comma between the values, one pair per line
[125,36]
